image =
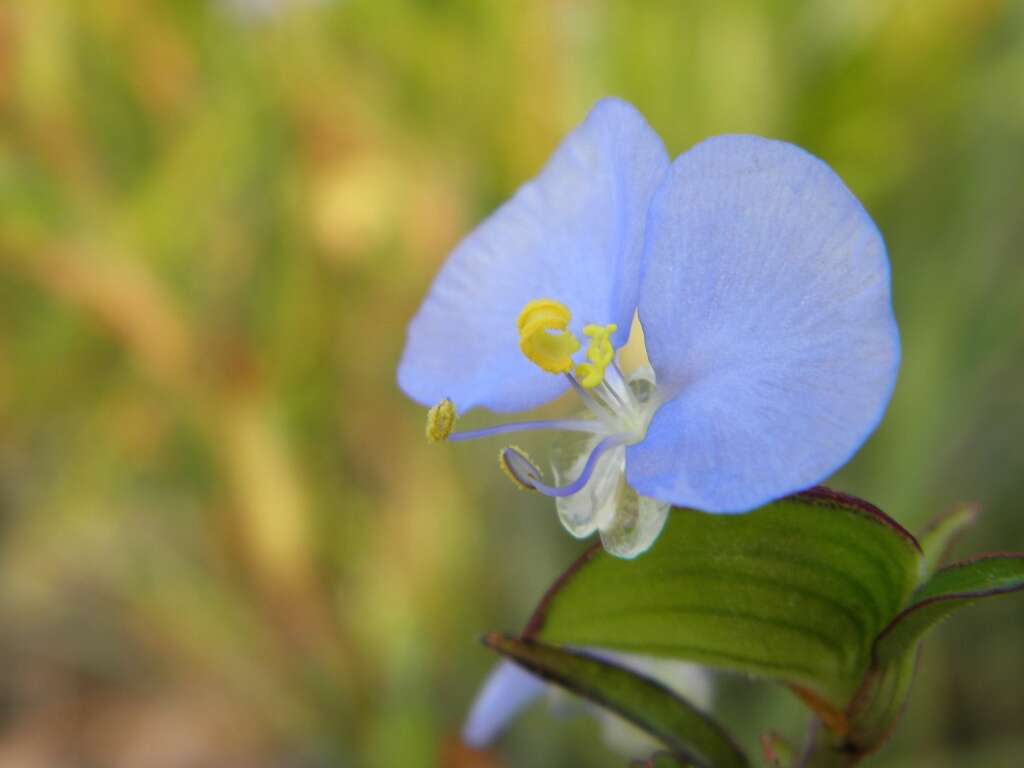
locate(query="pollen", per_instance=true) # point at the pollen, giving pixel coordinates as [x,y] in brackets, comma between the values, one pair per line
[600,354]
[544,335]
[440,421]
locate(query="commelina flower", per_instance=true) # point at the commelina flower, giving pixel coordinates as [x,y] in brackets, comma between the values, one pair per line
[762,288]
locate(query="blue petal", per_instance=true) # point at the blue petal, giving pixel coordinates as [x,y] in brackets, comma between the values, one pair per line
[506,692]
[575,233]
[768,319]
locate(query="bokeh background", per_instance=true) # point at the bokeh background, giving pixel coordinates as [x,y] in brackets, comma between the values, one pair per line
[223,539]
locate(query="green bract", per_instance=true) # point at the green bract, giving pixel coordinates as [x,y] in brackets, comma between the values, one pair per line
[687,733]
[819,591]
[795,591]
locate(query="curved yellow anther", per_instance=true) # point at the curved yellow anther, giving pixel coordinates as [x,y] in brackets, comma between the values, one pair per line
[600,353]
[544,335]
[440,421]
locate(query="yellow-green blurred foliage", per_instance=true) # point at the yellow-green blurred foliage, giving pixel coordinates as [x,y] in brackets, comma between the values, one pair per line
[223,539]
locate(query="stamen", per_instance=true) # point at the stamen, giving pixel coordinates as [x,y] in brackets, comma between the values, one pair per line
[544,335]
[523,461]
[525,474]
[617,387]
[441,424]
[440,421]
[560,425]
[601,410]
[600,353]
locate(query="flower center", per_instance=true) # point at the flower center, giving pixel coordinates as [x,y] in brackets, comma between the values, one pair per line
[547,342]
[621,408]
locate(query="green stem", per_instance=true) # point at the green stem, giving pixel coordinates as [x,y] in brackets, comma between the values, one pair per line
[823,752]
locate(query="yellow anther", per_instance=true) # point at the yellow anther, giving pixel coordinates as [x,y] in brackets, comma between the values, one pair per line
[544,335]
[440,421]
[589,376]
[600,353]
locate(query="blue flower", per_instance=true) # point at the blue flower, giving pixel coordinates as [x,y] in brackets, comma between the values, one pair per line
[762,288]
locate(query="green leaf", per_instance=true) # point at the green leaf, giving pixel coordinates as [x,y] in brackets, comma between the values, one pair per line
[795,591]
[939,537]
[947,591]
[690,736]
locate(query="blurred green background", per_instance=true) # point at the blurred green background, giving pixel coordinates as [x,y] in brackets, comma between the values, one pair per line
[223,539]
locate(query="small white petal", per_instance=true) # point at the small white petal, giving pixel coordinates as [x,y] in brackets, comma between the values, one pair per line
[635,525]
